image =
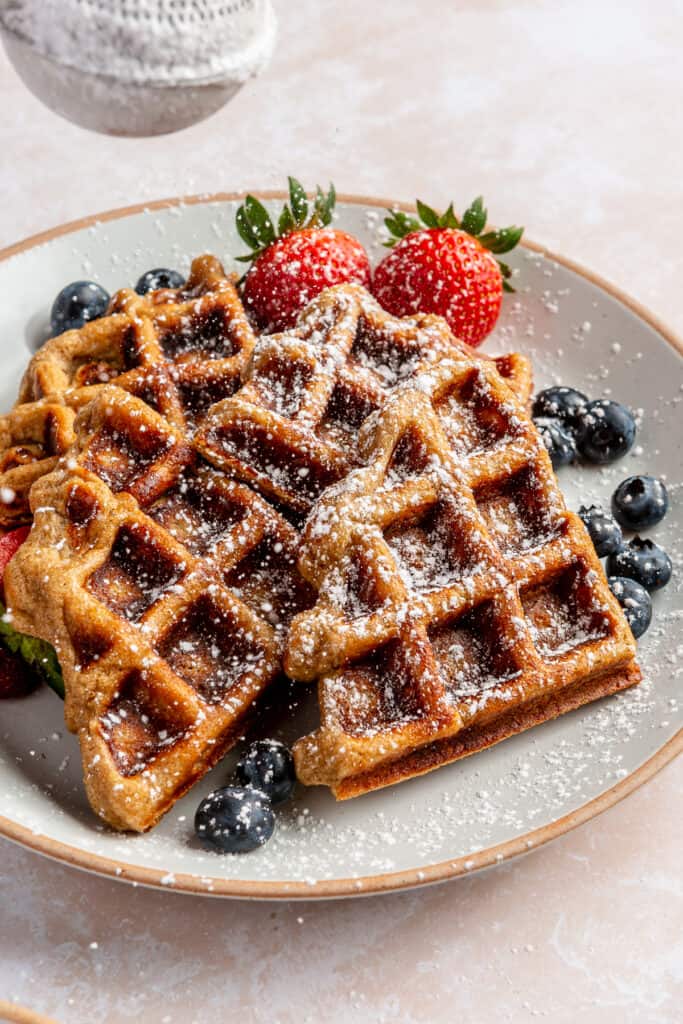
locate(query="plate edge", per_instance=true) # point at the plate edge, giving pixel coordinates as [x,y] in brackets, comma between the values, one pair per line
[368,885]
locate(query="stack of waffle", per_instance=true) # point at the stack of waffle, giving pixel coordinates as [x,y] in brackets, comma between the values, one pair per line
[362,502]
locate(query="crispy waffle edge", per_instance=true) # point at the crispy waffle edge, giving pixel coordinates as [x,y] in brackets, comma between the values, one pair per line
[471,741]
[324,757]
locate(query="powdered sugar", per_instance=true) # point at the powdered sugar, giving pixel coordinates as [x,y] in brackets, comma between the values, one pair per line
[497,796]
[148,41]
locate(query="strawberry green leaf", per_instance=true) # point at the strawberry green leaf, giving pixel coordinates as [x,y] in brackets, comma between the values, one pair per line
[244,229]
[474,218]
[259,220]
[448,219]
[286,222]
[319,206]
[506,273]
[408,223]
[331,199]
[323,207]
[255,226]
[427,215]
[501,241]
[393,227]
[297,198]
[399,224]
[322,212]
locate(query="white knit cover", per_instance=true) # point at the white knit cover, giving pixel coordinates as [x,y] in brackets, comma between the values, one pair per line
[164,42]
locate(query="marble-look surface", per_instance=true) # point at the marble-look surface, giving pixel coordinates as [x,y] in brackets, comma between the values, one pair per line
[567,118]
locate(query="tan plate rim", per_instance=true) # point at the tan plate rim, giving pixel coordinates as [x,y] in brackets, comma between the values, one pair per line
[13,1013]
[339,887]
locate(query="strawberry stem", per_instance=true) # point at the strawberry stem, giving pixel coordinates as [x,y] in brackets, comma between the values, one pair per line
[256,229]
[400,224]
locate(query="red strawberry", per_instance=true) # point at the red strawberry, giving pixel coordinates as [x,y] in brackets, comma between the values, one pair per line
[16,678]
[9,543]
[291,266]
[440,265]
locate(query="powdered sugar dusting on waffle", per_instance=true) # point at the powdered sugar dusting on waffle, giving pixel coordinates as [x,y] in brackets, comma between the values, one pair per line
[475,588]
[457,810]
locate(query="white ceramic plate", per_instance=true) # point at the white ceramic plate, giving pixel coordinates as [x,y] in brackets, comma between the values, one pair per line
[461,818]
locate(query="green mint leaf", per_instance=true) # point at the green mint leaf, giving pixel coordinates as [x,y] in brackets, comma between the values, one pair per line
[474,218]
[260,222]
[244,229]
[507,287]
[427,215]
[299,203]
[504,269]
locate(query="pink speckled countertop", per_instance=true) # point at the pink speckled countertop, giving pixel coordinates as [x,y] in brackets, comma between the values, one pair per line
[568,121]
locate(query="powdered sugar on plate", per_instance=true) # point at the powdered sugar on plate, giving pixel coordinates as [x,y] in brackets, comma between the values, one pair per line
[500,795]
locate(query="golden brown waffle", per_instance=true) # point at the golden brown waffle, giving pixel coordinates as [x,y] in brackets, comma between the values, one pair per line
[291,429]
[166,589]
[459,601]
[32,437]
[179,350]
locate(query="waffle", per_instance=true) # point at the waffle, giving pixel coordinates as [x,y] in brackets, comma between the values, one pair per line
[166,589]
[32,437]
[459,601]
[291,429]
[179,350]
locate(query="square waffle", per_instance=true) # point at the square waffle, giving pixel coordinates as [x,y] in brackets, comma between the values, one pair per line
[179,350]
[166,589]
[291,429]
[190,575]
[459,601]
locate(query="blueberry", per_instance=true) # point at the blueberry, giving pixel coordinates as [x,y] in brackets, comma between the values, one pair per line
[603,530]
[268,766]
[605,431]
[234,820]
[642,561]
[563,404]
[76,304]
[640,501]
[558,441]
[635,602]
[160,277]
